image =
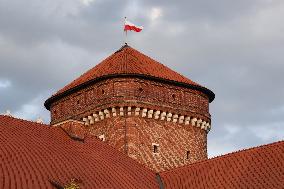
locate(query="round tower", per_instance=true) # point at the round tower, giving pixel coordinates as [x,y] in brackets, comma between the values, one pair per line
[139,106]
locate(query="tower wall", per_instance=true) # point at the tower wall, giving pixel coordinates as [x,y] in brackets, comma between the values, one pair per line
[158,124]
[130,91]
[135,136]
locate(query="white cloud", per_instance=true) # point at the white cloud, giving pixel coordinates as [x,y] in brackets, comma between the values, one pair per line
[33,109]
[155,13]
[215,148]
[273,132]
[87,2]
[5,83]
[229,138]
[232,129]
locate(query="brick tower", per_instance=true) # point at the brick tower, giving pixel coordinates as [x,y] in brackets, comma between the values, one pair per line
[138,106]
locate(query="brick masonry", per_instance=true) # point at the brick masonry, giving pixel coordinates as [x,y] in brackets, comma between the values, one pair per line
[123,91]
[109,110]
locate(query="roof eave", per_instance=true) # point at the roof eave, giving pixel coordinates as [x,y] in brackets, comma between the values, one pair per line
[50,100]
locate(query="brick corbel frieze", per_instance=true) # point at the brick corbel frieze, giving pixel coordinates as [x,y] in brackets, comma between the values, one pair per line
[127,111]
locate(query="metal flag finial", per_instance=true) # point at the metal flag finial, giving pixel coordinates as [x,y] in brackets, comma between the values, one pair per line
[125,31]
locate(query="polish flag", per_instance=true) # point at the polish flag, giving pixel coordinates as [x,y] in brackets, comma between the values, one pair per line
[130,26]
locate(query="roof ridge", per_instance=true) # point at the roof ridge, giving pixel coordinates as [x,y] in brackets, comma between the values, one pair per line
[23,120]
[164,66]
[86,72]
[121,48]
[224,156]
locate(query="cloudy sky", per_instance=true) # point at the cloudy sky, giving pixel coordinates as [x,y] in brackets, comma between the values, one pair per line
[235,48]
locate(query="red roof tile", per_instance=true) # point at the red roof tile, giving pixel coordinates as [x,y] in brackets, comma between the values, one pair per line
[33,155]
[128,61]
[259,167]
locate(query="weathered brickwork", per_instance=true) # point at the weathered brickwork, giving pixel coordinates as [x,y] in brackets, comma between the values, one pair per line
[177,144]
[138,106]
[74,128]
[160,125]
[129,91]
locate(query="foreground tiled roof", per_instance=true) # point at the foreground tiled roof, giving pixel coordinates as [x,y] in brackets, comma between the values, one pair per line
[259,167]
[128,61]
[35,155]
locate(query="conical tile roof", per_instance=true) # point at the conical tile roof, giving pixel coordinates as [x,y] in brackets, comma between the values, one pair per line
[128,61]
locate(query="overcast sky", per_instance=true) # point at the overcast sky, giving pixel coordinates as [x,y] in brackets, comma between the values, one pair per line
[235,48]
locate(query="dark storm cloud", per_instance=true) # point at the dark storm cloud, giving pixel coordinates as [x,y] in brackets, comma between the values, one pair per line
[232,47]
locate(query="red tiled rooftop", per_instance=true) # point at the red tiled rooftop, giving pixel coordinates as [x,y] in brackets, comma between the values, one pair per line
[128,61]
[259,167]
[32,155]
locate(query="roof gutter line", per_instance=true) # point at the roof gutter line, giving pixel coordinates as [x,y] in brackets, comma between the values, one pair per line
[160,181]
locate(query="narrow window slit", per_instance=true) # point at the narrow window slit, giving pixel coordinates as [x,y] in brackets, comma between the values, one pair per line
[155,148]
[187,154]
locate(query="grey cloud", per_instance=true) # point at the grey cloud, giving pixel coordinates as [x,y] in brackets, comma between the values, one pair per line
[5,83]
[232,47]
[213,11]
[227,138]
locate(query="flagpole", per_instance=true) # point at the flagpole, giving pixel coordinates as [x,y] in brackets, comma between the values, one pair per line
[125,39]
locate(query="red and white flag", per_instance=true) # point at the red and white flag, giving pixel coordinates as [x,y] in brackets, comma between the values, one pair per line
[130,26]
